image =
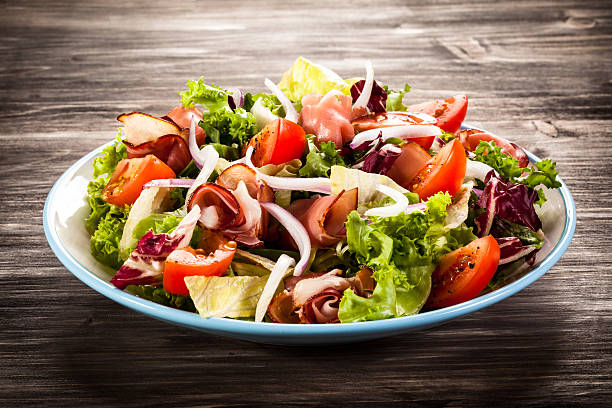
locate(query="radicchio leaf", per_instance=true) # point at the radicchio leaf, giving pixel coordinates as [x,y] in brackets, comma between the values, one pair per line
[511,201]
[145,265]
[381,158]
[512,249]
[378,98]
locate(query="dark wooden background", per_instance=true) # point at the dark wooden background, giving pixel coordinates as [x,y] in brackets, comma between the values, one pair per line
[539,73]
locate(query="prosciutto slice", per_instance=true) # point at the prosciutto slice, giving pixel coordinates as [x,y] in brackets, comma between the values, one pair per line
[182,117]
[324,217]
[171,149]
[322,308]
[328,117]
[315,298]
[220,208]
[257,189]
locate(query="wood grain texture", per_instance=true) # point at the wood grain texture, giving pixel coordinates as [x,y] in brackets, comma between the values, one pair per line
[539,73]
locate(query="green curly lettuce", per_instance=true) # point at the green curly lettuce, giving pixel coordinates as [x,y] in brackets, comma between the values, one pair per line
[106,221]
[210,96]
[319,161]
[395,98]
[543,174]
[229,128]
[402,252]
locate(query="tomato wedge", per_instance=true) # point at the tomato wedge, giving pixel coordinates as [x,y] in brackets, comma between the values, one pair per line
[412,159]
[443,172]
[463,273]
[187,261]
[449,112]
[278,142]
[131,175]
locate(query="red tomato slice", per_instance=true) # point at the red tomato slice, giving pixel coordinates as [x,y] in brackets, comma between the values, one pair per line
[443,172]
[412,159]
[470,138]
[463,273]
[131,175]
[449,112]
[187,261]
[278,142]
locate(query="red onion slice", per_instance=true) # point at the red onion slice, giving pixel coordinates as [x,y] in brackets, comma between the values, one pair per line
[279,271]
[170,183]
[401,203]
[297,232]
[314,184]
[364,98]
[402,132]
[235,99]
[415,207]
[290,112]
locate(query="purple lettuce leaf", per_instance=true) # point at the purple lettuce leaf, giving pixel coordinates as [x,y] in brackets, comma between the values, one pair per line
[145,266]
[511,201]
[512,249]
[378,97]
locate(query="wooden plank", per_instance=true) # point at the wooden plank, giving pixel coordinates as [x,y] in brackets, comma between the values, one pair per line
[538,73]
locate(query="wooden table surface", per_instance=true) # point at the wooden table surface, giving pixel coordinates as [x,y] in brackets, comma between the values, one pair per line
[539,73]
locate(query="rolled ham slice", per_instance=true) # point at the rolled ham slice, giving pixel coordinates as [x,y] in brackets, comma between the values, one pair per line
[324,217]
[171,149]
[219,208]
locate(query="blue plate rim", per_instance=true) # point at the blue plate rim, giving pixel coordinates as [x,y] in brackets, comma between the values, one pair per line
[268,330]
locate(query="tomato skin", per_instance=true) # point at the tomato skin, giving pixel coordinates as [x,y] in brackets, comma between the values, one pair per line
[278,142]
[449,112]
[443,172]
[463,273]
[131,175]
[290,143]
[187,261]
[412,159]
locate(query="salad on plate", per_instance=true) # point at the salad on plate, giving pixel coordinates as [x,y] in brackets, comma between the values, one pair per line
[324,200]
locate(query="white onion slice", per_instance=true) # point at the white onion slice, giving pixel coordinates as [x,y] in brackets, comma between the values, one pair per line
[290,112]
[194,150]
[364,98]
[279,271]
[314,184]
[297,232]
[401,203]
[406,132]
[169,183]
[209,158]
[476,170]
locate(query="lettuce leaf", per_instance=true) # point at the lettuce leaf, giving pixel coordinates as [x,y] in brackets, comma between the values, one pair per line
[544,173]
[225,296]
[269,101]
[402,252]
[395,98]
[159,295]
[319,161]
[111,155]
[306,77]
[105,221]
[211,96]
[229,128]
[105,239]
